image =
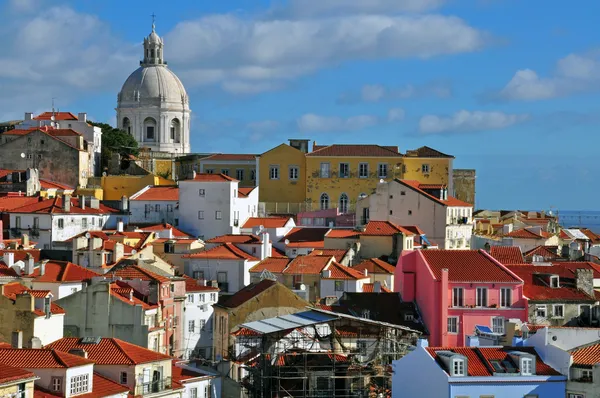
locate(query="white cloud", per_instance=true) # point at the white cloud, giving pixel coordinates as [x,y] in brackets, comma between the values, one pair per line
[396,115]
[240,53]
[24,5]
[466,121]
[318,123]
[311,8]
[573,73]
[379,92]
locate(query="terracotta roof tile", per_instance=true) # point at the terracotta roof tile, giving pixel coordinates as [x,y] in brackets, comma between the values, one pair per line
[338,254]
[507,254]
[375,266]
[312,265]
[246,332]
[6,272]
[384,228]
[267,222]
[275,265]
[339,271]
[62,271]
[12,202]
[11,374]
[244,192]
[159,193]
[355,150]
[180,375]
[47,184]
[426,152]
[417,186]
[135,272]
[205,177]
[194,285]
[466,266]
[370,288]
[226,251]
[343,234]
[587,355]
[103,387]
[126,295]
[177,233]
[232,238]
[306,237]
[275,252]
[21,255]
[245,294]
[231,157]
[547,252]
[57,116]
[41,358]
[54,206]
[524,233]
[110,351]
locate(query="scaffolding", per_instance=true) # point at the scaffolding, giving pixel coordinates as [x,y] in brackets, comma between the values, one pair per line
[339,356]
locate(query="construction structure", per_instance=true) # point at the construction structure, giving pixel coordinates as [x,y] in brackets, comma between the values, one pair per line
[319,353]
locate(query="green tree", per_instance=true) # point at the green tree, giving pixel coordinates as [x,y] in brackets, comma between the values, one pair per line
[115,140]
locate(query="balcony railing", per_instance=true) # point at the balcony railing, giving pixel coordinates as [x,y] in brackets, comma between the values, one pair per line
[153,386]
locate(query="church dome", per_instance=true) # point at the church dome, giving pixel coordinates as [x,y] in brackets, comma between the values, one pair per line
[151,83]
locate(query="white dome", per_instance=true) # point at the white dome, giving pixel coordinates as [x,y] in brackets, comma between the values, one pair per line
[154,83]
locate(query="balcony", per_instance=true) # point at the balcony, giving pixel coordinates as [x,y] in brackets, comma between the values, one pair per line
[154,386]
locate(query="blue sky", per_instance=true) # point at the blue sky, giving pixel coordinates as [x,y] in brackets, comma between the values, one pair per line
[509,87]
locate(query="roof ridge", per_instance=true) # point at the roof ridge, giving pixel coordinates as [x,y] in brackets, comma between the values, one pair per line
[117,342]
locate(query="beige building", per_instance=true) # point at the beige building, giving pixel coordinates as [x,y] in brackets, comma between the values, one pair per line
[16,382]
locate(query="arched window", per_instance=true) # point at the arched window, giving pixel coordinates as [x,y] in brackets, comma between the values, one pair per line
[324,201]
[126,125]
[152,53]
[343,207]
[175,130]
[150,129]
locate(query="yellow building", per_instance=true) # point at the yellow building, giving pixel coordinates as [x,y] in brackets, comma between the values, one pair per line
[282,177]
[240,166]
[185,164]
[336,175]
[114,187]
[428,166]
[17,382]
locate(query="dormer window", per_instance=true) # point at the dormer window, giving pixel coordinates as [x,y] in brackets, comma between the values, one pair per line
[458,367]
[526,366]
[554,281]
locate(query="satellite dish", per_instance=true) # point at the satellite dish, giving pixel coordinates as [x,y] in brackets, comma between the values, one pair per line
[287,241]
[88,235]
[381,181]
[104,174]
[2,245]
[23,155]
[134,251]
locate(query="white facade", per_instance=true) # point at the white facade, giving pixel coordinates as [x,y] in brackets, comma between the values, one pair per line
[276,234]
[152,211]
[198,323]
[153,105]
[206,385]
[235,273]
[449,227]
[46,374]
[209,208]
[49,329]
[337,287]
[58,289]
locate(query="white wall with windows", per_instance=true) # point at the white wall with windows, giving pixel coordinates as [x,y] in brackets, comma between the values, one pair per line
[337,287]
[198,323]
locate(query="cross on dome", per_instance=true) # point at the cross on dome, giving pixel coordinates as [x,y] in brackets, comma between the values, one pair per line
[153,21]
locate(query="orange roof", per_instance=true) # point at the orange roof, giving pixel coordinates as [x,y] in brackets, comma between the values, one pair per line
[384,228]
[426,152]
[126,295]
[159,193]
[243,192]
[308,265]
[587,355]
[135,272]
[31,358]
[62,271]
[10,374]
[275,265]
[47,184]
[12,202]
[226,251]
[232,238]
[267,222]
[275,252]
[110,351]
[547,252]
[21,255]
[305,237]
[245,294]
[54,206]
[205,177]
[524,233]
[182,374]
[375,266]
[246,332]
[194,285]
[339,271]
[6,272]
[342,234]
[57,116]
[11,290]
[103,387]
[370,288]
[231,156]
[338,254]
[466,266]
[177,233]
[507,254]
[355,150]
[417,186]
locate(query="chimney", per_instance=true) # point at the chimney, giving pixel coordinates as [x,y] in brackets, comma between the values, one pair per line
[366,272]
[265,247]
[82,117]
[16,340]
[67,203]
[28,116]
[472,341]
[43,267]
[119,226]
[377,287]
[193,174]
[35,343]
[584,280]
[94,203]
[9,259]
[119,252]
[25,241]
[124,204]
[79,352]
[29,264]
[82,201]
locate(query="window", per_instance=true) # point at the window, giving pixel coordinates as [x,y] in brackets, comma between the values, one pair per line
[201,297]
[293,173]
[363,170]
[526,366]
[361,346]
[201,192]
[222,281]
[458,297]
[170,208]
[79,384]
[218,215]
[587,374]
[325,170]
[210,171]
[56,383]
[193,392]
[18,222]
[84,223]
[199,275]
[225,172]
[558,311]
[157,208]
[123,377]
[481,297]
[452,324]
[505,297]
[343,207]
[344,170]
[239,174]
[570,396]
[213,297]
[339,286]
[458,367]
[202,323]
[207,391]
[498,324]
[149,132]
[382,170]
[191,326]
[274,172]
[324,201]
[425,168]
[200,214]
[540,311]
[410,212]
[61,223]
[190,298]
[554,283]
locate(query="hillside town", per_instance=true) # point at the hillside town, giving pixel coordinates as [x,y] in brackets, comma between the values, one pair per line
[307,270]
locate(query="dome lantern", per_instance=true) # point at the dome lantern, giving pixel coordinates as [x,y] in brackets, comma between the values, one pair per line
[153,48]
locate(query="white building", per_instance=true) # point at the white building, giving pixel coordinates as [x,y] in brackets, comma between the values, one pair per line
[406,202]
[198,318]
[213,204]
[51,222]
[198,383]
[337,279]
[277,227]
[153,105]
[154,205]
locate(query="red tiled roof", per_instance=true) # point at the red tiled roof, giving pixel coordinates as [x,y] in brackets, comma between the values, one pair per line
[570,267]
[247,293]
[226,251]
[231,156]
[12,289]
[275,265]
[135,272]
[6,272]
[205,177]
[426,152]
[547,252]
[312,265]
[47,184]
[11,374]
[507,254]
[12,202]
[110,351]
[126,295]
[370,288]
[343,234]
[478,359]
[524,233]
[243,192]
[132,234]
[41,358]
[63,133]
[587,355]
[159,193]
[339,271]
[54,206]
[305,237]
[466,266]
[194,285]
[338,254]
[267,222]
[5,345]
[246,332]
[57,116]
[93,234]
[177,233]
[102,387]
[384,228]
[182,374]
[62,271]
[355,150]
[375,266]
[417,186]
[232,238]
[275,252]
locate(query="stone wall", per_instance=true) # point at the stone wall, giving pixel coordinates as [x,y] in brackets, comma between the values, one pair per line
[464,185]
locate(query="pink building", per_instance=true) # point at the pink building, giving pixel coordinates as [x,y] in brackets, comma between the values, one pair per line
[456,290]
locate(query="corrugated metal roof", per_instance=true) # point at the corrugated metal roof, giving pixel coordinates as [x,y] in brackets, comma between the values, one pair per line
[287,322]
[577,234]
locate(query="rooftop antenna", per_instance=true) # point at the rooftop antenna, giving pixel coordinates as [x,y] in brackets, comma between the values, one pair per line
[53,113]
